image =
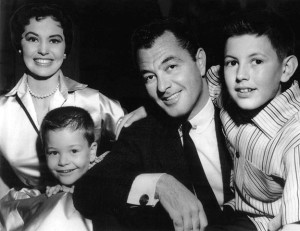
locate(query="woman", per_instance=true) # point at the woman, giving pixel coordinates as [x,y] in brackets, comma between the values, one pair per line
[43,34]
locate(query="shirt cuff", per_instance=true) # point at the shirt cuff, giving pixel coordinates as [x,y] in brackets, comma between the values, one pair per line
[143,188]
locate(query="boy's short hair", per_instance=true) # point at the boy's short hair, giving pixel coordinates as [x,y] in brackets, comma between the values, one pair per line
[39,11]
[263,22]
[145,36]
[69,117]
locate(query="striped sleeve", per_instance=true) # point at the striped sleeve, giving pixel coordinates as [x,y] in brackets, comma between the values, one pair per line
[214,84]
[291,193]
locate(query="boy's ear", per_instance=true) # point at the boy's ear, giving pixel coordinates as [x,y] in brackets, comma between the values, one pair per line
[290,65]
[201,61]
[93,151]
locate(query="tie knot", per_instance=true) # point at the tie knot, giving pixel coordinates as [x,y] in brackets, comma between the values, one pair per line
[186,127]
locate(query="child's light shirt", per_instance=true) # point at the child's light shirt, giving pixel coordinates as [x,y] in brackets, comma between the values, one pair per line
[266,154]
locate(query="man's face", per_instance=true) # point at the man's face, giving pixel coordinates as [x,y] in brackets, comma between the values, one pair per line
[252,70]
[173,79]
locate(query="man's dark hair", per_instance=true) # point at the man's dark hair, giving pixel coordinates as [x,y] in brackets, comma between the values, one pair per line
[145,36]
[70,117]
[39,11]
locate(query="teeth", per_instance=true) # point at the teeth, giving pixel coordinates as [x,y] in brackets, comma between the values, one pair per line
[66,171]
[245,90]
[172,96]
[43,61]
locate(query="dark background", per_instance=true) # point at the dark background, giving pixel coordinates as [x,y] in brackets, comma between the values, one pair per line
[101,56]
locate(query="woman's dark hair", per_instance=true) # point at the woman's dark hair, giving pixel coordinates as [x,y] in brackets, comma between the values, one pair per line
[39,11]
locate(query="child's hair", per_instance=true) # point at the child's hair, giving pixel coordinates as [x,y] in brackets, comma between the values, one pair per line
[260,23]
[69,117]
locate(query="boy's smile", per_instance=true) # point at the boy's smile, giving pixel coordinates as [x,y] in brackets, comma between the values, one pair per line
[252,70]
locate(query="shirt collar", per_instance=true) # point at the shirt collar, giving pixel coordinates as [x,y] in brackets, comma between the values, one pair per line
[202,120]
[65,85]
[281,109]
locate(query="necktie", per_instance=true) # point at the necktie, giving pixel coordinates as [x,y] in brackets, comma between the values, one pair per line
[198,178]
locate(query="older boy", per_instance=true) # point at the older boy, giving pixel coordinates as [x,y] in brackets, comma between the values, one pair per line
[260,116]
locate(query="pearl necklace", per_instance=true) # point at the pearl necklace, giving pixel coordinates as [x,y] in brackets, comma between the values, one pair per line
[41,96]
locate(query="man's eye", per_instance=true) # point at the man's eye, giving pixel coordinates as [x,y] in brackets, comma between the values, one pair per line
[171,67]
[149,78]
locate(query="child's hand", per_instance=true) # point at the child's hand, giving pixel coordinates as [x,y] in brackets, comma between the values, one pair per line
[58,188]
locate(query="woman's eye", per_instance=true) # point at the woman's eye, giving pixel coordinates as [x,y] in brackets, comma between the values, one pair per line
[55,41]
[32,39]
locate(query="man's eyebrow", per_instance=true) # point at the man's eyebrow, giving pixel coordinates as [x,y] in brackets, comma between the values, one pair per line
[168,59]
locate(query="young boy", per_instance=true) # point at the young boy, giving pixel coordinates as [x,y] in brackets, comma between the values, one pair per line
[69,141]
[260,116]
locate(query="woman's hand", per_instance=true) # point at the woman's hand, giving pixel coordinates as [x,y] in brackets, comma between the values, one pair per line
[52,190]
[129,118]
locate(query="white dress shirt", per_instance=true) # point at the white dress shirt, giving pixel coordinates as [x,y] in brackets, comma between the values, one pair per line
[203,133]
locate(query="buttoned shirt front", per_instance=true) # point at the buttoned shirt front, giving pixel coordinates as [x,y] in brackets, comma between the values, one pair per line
[266,153]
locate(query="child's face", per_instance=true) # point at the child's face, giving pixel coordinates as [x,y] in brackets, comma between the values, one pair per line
[68,154]
[252,70]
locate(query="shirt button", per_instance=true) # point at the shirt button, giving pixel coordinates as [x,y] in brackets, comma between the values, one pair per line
[144,200]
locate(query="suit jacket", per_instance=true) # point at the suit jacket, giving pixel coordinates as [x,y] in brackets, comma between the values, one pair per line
[151,145]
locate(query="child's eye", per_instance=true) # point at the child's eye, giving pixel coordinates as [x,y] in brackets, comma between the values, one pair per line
[257,61]
[230,63]
[74,151]
[49,153]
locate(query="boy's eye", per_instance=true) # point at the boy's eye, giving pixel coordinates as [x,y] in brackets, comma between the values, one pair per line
[230,63]
[257,61]
[49,153]
[74,151]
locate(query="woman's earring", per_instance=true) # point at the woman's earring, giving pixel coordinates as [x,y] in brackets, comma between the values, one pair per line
[19,51]
[65,56]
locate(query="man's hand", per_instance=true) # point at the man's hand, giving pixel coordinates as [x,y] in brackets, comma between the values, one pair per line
[129,118]
[184,208]
[58,188]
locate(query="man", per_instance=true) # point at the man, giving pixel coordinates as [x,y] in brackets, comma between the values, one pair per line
[149,177]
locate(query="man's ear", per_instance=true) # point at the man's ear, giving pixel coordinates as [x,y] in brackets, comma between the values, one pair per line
[290,65]
[93,151]
[201,61]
